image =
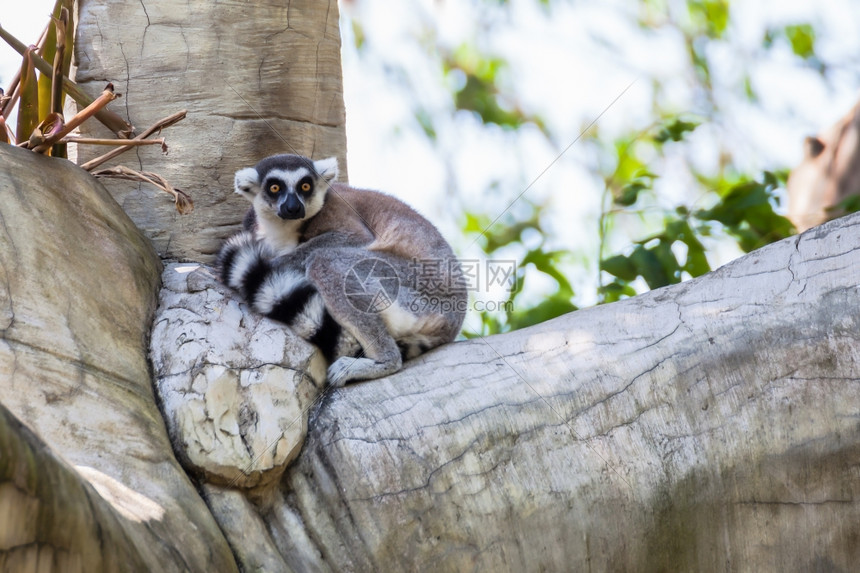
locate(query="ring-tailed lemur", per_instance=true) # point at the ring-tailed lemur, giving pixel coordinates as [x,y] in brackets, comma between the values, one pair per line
[357,273]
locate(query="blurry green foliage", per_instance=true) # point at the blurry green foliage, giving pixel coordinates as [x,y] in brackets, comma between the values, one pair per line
[742,207]
[711,17]
[850,204]
[675,130]
[479,90]
[802,38]
[744,211]
[537,260]
[747,213]
[725,205]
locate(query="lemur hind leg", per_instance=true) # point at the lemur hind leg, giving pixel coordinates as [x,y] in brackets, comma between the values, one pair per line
[354,285]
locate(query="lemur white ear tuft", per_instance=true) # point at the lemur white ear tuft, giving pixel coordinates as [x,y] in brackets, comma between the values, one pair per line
[247,183]
[327,168]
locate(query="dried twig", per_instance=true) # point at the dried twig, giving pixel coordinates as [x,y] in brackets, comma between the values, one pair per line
[107,96]
[156,127]
[182,200]
[116,142]
[113,122]
[49,127]
[9,101]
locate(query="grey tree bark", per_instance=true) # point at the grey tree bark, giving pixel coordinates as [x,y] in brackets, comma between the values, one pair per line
[257,78]
[706,426]
[88,479]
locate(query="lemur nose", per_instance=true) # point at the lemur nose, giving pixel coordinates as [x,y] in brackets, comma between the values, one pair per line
[291,208]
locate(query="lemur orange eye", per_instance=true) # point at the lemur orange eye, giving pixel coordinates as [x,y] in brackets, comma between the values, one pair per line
[306,186]
[274,188]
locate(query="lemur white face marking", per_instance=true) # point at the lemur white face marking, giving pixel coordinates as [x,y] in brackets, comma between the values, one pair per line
[289,178]
[285,191]
[281,187]
[277,182]
[328,171]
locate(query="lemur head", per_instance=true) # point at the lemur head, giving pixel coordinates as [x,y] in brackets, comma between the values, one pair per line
[289,186]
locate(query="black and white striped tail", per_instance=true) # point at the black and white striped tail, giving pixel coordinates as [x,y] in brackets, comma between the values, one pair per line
[282,294]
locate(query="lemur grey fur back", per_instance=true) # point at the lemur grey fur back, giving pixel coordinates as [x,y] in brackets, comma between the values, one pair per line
[357,273]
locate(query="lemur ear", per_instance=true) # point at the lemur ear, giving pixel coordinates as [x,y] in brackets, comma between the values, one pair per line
[812,147]
[327,168]
[247,183]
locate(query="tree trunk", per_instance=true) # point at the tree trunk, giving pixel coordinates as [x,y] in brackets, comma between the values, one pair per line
[710,425]
[257,78]
[90,484]
[706,426]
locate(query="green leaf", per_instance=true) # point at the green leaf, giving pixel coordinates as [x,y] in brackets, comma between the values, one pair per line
[358,35]
[802,39]
[629,167]
[547,263]
[28,105]
[628,194]
[493,235]
[749,90]
[671,269]
[768,39]
[614,291]
[697,263]
[480,93]
[712,16]
[746,211]
[551,307]
[775,179]
[475,223]
[649,267]
[731,210]
[620,266]
[425,120]
[675,130]
[850,204]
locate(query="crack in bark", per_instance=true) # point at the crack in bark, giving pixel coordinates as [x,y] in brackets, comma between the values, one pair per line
[796,503]
[253,116]
[77,363]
